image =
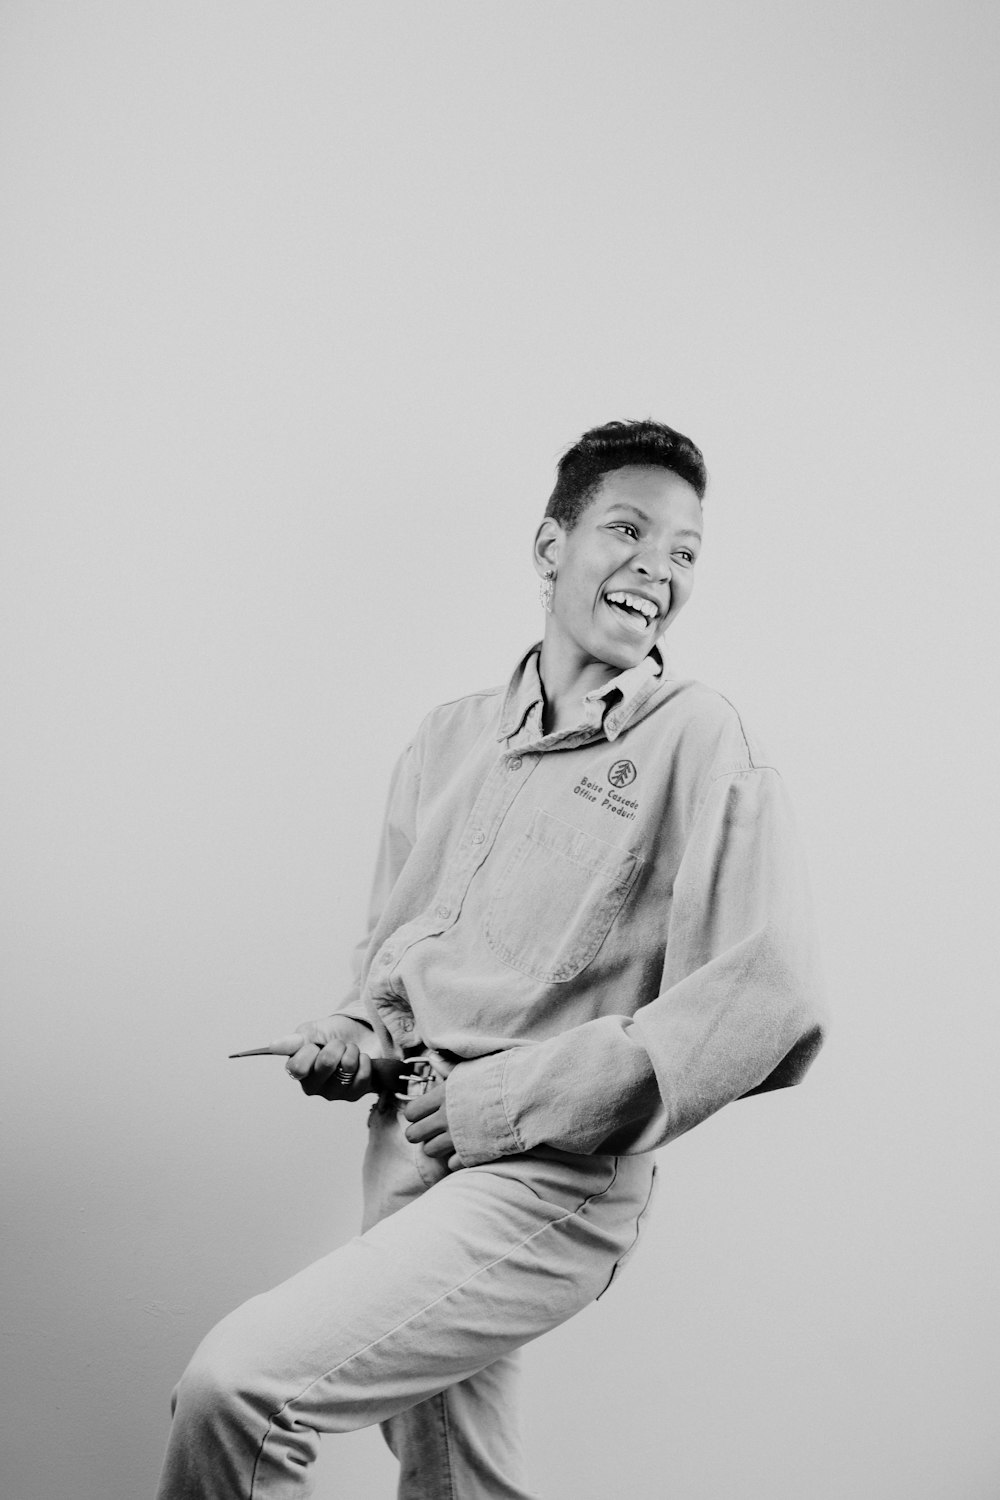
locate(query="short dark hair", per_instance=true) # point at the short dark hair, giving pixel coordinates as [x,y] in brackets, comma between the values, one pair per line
[619,445]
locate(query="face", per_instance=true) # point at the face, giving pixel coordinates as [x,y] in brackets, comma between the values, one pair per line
[626,568]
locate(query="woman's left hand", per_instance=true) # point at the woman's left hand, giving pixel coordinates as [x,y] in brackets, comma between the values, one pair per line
[428,1116]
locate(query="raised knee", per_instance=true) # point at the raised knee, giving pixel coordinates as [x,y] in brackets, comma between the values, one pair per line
[213,1382]
[232,1413]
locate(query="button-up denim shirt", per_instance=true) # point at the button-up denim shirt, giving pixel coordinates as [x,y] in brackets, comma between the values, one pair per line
[606,929]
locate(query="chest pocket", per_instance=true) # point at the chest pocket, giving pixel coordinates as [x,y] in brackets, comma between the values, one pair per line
[556,899]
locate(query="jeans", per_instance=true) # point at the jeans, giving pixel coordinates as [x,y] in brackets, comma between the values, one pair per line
[415,1324]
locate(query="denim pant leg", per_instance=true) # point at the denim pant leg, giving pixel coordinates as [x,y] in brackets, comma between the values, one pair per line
[466,1440]
[449,1283]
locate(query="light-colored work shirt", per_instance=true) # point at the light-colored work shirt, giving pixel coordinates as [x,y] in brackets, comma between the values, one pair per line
[606,929]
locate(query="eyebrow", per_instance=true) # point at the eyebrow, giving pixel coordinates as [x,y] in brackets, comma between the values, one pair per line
[636,511]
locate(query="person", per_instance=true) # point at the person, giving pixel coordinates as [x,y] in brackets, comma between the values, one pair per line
[589,930]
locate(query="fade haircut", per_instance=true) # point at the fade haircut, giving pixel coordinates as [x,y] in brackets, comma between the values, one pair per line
[620,445]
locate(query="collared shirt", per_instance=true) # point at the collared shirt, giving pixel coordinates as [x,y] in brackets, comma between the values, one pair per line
[525,698]
[607,928]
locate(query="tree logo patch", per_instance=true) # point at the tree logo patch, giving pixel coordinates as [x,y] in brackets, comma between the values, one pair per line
[622,773]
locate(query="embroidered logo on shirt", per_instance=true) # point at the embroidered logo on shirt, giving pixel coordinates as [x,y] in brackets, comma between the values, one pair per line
[592,791]
[621,773]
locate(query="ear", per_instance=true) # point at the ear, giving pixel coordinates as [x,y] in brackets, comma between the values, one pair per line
[548,546]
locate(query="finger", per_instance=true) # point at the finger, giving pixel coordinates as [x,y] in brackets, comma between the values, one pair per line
[301,1062]
[340,1082]
[455,1163]
[426,1129]
[424,1104]
[329,1059]
[439,1145]
[363,1077]
[329,1086]
[349,1061]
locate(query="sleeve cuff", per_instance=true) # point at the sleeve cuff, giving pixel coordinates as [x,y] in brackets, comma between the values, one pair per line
[356,1010]
[477,1119]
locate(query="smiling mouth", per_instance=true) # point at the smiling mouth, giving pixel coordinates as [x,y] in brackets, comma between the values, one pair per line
[635,613]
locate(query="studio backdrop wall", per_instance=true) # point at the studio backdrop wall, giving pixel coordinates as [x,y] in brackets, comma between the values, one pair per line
[299,305]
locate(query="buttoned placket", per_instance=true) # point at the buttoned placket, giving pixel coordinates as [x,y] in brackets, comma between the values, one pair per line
[502,786]
[500,789]
[523,747]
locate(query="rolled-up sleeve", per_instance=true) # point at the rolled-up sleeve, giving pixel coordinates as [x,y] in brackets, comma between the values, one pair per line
[740,1008]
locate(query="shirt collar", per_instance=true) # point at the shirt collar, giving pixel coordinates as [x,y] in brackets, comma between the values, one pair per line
[609,707]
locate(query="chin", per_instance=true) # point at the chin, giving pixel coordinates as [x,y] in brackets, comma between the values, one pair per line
[623,656]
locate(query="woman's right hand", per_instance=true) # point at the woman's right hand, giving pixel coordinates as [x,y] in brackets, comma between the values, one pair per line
[324,1048]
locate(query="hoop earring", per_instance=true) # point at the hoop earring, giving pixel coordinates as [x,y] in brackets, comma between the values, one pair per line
[546,589]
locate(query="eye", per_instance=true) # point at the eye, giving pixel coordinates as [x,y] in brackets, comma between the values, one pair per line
[686,556]
[627,527]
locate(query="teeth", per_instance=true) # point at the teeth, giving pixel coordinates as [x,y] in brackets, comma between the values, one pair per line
[634,602]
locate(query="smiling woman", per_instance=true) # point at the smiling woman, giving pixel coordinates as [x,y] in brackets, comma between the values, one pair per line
[621,571]
[588,932]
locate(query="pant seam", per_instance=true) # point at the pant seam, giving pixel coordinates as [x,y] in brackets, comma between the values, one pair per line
[442,1398]
[419,1312]
[626,1253]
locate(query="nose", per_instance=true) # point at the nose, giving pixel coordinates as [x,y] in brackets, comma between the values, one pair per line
[654,563]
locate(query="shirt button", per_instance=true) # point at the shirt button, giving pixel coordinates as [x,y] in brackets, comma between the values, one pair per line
[515,763]
[406,1026]
[478,836]
[444,911]
[386,960]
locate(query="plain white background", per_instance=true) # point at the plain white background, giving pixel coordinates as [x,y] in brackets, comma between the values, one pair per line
[299,304]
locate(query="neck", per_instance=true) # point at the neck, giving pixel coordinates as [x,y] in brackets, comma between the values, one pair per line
[565,683]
